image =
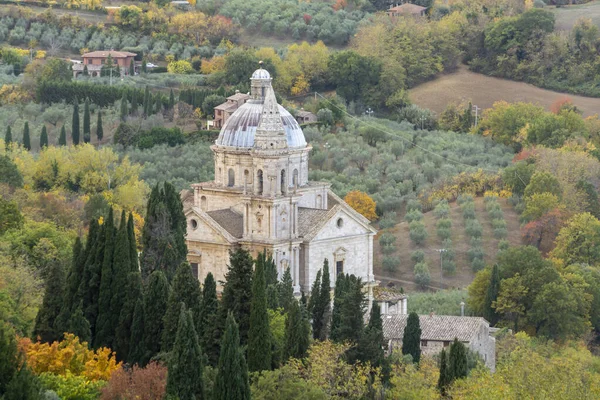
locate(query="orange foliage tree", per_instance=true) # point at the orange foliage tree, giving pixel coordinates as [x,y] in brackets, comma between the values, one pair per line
[70,356]
[361,203]
[148,383]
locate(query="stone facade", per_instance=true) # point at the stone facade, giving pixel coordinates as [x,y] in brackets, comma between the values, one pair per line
[261,199]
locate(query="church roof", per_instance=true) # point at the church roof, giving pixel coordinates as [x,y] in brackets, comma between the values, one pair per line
[261,74]
[229,220]
[240,128]
[434,327]
[308,218]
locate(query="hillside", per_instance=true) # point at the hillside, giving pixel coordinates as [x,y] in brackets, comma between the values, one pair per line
[567,16]
[483,91]
[404,276]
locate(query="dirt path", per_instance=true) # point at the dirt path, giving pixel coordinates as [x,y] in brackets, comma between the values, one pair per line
[464,85]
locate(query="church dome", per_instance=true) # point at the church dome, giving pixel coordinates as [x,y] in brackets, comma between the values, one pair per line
[240,128]
[261,74]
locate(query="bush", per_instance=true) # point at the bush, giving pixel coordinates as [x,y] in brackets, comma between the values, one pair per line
[444,233]
[390,263]
[413,215]
[418,234]
[444,223]
[476,242]
[477,264]
[72,387]
[498,223]
[388,249]
[475,252]
[386,239]
[442,210]
[468,210]
[464,198]
[496,213]
[422,276]
[387,222]
[474,228]
[413,204]
[500,233]
[417,256]
[503,245]
[448,266]
[159,135]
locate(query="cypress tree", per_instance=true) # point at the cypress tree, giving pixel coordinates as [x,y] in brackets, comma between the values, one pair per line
[79,326]
[134,103]
[137,342]
[370,346]
[336,315]
[24,385]
[99,128]
[124,108]
[270,279]
[75,123]
[184,379]
[186,290]
[322,308]
[89,289]
[144,65]
[62,139]
[131,68]
[209,339]
[156,299]
[120,273]
[231,382]
[163,235]
[61,324]
[26,139]
[171,100]
[43,137]
[259,334]
[51,305]
[286,291]
[85,70]
[8,355]
[411,341]
[8,137]
[297,332]
[237,291]
[314,294]
[352,315]
[104,334]
[457,361]
[489,313]
[86,121]
[126,316]
[147,100]
[133,253]
[272,297]
[444,379]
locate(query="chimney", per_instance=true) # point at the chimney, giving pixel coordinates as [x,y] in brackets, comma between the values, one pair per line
[462,308]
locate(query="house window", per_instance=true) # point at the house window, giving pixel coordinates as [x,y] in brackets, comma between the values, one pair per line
[195,270]
[283,181]
[231,180]
[295,178]
[203,203]
[446,343]
[423,343]
[260,181]
[194,224]
[339,267]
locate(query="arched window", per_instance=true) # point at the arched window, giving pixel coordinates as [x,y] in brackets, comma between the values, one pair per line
[283,182]
[295,178]
[203,203]
[231,181]
[260,181]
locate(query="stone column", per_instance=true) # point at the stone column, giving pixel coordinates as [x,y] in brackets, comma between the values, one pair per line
[296,269]
[405,306]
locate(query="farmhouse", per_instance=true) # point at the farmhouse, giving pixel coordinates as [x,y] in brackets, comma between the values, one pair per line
[407,9]
[95,60]
[439,331]
[225,110]
[261,199]
[305,117]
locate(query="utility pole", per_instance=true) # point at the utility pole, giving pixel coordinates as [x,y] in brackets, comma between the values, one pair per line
[441,251]
[476,109]
[369,112]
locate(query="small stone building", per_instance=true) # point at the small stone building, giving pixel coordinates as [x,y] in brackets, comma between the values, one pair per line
[407,9]
[225,110]
[305,117]
[261,199]
[439,331]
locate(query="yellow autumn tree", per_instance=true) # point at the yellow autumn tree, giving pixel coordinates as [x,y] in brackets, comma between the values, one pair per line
[362,203]
[70,356]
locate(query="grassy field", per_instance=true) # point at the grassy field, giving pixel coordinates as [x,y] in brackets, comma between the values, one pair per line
[404,276]
[567,16]
[483,91]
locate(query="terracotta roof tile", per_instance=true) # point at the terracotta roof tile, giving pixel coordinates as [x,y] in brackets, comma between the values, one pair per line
[434,327]
[231,221]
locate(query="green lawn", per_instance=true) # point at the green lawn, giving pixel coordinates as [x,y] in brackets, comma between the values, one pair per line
[567,16]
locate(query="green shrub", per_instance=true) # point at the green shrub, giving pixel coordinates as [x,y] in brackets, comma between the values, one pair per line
[473,228]
[442,210]
[490,200]
[468,210]
[444,223]
[390,263]
[496,214]
[413,215]
[413,204]
[448,266]
[464,198]
[388,248]
[476,242]
[503,245]
[477,264]
[475,252]
[418,234]
[389,220]
[500,233]
[158,135]
[498,223]
[444,233]
[422,276]
[417,256]
[72,387]
[386,239]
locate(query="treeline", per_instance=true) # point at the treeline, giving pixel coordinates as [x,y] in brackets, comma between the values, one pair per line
[49,91]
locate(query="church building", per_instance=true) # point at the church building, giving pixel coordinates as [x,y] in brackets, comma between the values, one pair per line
[261,198]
